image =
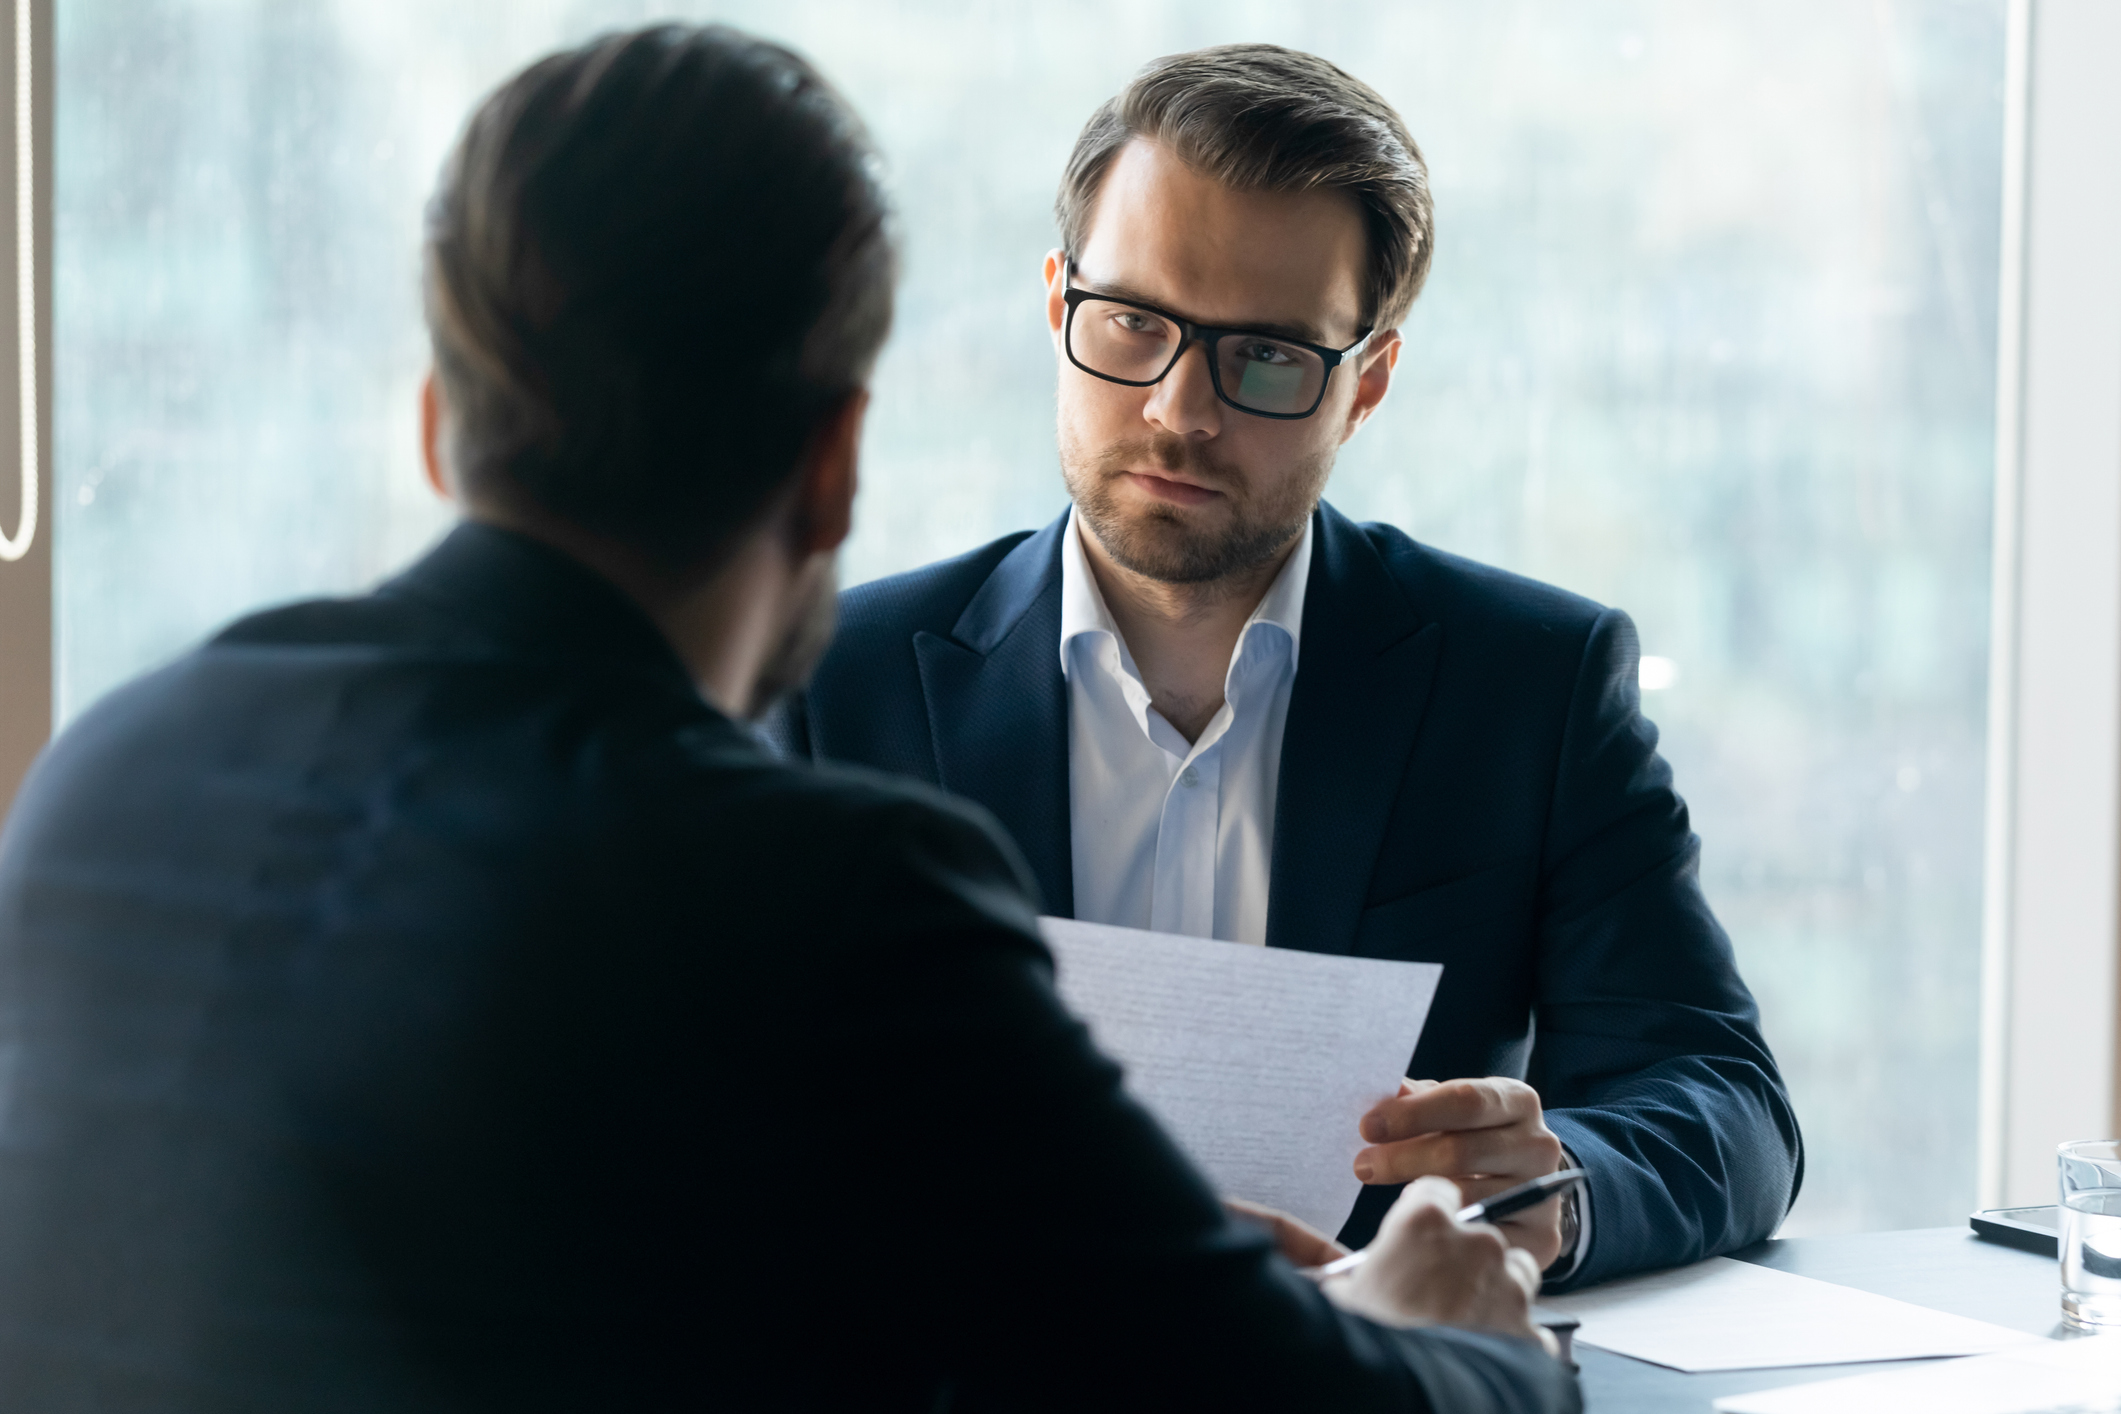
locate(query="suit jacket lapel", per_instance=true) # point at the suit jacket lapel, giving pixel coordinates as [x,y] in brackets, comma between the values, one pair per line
[998,708]
[1364,672]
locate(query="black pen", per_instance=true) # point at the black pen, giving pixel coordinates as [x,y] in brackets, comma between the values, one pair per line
[1510,1200]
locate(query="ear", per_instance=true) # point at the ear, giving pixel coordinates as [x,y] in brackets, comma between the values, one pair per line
[431,434]
[829,478]
[1056,293]
[1373,378]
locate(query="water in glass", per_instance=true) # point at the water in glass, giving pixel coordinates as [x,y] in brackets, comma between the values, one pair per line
[2089,1171]
[2091,1258]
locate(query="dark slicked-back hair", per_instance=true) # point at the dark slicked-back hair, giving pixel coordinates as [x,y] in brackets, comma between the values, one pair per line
[1258,117]
[652,264]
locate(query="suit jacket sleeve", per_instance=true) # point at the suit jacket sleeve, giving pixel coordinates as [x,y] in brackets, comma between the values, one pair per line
[1648,1053]
[1073,1256]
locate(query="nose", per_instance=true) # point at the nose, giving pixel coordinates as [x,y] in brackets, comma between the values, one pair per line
[1184,404]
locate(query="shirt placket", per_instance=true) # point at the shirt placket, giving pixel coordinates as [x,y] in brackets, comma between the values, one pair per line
[1184,897]
[1189,834]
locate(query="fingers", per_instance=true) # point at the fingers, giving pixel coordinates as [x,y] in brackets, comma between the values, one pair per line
[1536,1233]
[1427,1209]
[1427,1266]
[1512,1154]
[1424,1221]
[1297,1241]
[1524,1269]
[1535,1230]
[1406,1088]
[1480,1189]
[1432,1191]
[1454,1104]
[1492,1128]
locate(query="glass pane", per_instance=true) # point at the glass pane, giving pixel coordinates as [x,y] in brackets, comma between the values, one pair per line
[1710,337]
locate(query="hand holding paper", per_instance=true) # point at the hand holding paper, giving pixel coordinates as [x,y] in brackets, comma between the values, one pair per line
[1262,1063]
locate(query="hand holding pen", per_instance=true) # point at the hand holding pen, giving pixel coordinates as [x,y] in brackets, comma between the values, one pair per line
[1502,1205]
[1427,1266]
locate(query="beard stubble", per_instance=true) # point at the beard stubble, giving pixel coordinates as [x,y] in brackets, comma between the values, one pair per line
[1160,542]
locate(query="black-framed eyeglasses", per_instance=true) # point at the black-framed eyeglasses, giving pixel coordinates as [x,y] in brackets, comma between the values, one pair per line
[1136,345]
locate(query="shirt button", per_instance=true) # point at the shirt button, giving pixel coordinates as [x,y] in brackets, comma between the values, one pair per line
[1189,778]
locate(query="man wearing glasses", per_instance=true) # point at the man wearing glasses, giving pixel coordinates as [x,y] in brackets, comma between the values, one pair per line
[1204,702]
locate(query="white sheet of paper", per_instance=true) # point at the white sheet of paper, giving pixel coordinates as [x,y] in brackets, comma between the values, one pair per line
[1260,1061]
[1727,1315]
[2046,1378]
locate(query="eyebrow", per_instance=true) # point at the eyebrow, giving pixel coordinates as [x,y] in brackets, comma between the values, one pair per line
[1301,333]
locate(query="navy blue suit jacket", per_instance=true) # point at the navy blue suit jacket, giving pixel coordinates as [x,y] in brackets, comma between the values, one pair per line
[1466,778]
[425,1002]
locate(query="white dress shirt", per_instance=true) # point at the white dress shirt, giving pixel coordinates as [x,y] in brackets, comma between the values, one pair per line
[1167,835]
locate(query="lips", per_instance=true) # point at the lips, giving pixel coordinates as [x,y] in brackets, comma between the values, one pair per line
[1169,490]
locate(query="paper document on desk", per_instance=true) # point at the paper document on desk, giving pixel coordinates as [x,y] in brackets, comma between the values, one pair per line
[2049,1377]
[1260,1061]
[1728,1315]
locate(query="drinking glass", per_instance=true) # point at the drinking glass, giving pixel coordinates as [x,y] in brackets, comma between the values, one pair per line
[2090,1176]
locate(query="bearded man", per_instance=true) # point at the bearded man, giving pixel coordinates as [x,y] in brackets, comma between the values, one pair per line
[1204,702]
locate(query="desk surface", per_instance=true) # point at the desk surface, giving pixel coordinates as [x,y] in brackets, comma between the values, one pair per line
[1944,1268]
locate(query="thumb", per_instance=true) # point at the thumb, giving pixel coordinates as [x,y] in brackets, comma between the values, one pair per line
[1427,1192]
[1434,1190]
[1523,1269]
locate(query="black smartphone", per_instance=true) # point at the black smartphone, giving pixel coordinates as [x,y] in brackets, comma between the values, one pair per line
[2027,1229]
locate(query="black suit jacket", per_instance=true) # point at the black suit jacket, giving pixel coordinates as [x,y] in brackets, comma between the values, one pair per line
[1466,778]
[425,1002]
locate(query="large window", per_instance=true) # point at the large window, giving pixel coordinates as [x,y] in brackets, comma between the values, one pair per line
[1710,336]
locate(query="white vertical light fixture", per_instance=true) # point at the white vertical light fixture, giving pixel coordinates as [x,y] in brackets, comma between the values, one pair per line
[14,547]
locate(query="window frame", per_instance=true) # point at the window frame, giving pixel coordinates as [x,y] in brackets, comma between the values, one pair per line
[2052,910]
[26,628]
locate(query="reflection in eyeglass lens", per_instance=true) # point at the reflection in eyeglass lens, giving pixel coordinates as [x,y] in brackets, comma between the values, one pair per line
[1269,376]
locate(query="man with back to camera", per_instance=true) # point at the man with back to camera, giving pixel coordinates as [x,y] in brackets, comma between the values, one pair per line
[1204,702]
[438,1000]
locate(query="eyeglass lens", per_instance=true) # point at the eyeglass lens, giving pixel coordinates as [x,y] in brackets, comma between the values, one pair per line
[1136,346]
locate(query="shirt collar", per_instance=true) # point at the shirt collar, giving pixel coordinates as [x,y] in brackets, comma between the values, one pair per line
[1083,609]
[1283,605]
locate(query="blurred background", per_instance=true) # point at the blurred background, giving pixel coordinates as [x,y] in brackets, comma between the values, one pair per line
[1711,336]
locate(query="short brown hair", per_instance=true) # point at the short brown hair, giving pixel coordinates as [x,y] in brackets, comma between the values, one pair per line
[652,264]
[1258,117]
